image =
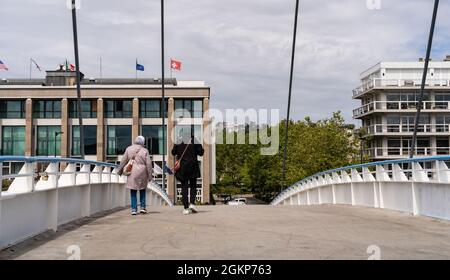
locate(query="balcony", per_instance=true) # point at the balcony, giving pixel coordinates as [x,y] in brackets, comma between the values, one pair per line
[397,152]
[402,106]
[396,83]
[407,129]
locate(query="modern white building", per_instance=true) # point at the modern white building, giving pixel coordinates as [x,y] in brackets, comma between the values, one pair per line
[389,95]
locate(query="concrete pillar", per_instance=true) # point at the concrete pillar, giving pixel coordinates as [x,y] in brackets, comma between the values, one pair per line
[65,129]
[101,149]
[135,127]
[29,136]
[207,156]
[171,182]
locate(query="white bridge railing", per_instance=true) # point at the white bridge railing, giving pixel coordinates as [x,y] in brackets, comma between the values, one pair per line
[420,186]
[66,190]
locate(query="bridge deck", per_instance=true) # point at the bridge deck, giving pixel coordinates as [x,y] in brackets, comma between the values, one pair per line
[248,232]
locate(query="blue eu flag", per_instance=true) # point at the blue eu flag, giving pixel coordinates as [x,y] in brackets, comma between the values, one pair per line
[140,67]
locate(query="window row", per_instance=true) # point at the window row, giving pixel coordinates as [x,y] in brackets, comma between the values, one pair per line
[113,108]
[118,138]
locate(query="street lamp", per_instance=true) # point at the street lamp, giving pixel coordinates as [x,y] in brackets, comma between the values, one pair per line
[56,136]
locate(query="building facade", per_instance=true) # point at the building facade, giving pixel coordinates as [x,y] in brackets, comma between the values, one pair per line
[389,96]
[40,118]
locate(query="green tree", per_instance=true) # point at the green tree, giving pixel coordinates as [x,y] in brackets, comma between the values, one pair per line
[313,147]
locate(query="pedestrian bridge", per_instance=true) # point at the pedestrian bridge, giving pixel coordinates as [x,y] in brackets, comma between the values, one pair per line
[343,213]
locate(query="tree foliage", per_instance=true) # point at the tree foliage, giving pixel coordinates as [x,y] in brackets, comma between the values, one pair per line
[313,147]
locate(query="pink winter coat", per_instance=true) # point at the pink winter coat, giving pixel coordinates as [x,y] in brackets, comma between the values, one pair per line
[142,170]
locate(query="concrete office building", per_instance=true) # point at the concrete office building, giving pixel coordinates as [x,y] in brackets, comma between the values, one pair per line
[39,118]
[389,96]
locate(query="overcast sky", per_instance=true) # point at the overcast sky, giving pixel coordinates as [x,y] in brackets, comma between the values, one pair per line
[241,48]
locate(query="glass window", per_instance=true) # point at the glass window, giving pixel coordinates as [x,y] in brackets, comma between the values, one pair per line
[13,141]
[188,108]
[90,140]
[118,108]
[393,119]
[151,108]
[393,97]
[442,145]
[48,140]
[47,109]
[183,131]
[88,109]
[154,138]
[12,109]
[119,138]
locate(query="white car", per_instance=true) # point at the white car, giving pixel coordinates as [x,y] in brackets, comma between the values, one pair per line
[238,201]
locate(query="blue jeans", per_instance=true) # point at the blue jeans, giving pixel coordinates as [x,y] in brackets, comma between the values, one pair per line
[142,195]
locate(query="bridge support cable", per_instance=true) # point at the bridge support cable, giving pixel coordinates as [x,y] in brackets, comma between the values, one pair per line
[163,98]
[424,78]
[77,69]
[290,92]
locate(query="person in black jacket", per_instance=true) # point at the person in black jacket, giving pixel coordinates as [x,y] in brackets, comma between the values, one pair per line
[189,170]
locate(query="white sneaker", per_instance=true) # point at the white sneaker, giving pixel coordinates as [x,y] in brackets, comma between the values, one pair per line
[133,213]
[192,208]
[187,211]
[143,211]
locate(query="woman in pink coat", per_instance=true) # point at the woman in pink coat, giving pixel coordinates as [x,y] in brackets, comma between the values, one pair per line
[140,175]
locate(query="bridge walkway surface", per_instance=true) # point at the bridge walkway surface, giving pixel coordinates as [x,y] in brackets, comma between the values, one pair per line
[244,232]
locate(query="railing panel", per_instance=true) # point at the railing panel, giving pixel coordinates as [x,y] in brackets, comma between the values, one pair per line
[326,195]
[433,200]
[70,201]
[23,216]
[363,194]
[343,193]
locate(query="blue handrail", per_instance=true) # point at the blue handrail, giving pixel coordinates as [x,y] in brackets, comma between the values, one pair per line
[370,164]
[55,160]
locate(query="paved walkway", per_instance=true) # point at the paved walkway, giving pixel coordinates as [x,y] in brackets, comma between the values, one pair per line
[247,232]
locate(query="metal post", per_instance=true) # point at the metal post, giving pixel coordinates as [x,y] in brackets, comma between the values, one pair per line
[424,78]
[290,93]
[163,95]
[77,69]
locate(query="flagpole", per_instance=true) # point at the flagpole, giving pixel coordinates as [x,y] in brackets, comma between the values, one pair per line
[101,71]
[135,67]
[31,65]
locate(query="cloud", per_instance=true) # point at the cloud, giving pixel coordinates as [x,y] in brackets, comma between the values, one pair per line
[240,48]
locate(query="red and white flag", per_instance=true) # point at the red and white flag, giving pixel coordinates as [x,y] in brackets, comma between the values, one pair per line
[175,64]
[72,67]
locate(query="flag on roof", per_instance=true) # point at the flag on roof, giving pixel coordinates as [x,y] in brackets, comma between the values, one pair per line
[175,64]
[139,67]
[3,66]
